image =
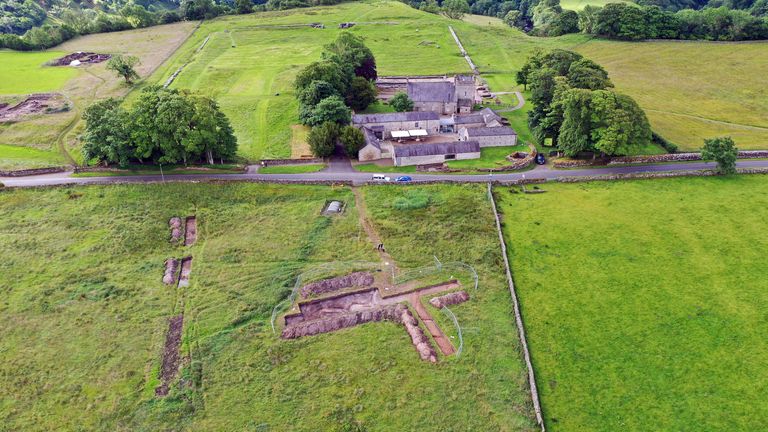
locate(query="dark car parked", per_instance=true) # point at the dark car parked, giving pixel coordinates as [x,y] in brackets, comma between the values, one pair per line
[540,159]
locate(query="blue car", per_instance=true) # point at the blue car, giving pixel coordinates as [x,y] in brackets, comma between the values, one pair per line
[403,179]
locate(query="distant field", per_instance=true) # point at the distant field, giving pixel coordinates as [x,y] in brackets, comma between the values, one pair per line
[84,313]
[17,157]
[690,90]
[22,74]
[249,67]
[654,318]
[25,72]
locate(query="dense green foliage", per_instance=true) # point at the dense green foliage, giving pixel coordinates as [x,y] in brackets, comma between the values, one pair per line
[163,126]
[400,102]
[18,16]
[343,78]
[723,151]
[352,139]
[23,32]
[322,139]
[124,66]
[626,22]
[573,107]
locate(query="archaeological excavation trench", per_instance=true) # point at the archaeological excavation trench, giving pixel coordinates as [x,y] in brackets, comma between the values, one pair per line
[177,273]
[350,300]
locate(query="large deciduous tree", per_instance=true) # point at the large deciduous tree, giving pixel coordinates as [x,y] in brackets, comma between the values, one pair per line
[400,102]
[723,151]
[322,139]
[361,94]
[455,9]
[163,126]
[352,139]
[124,66]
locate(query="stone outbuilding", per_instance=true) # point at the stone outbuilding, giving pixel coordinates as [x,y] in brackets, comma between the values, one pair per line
[489,136]
[443,97]
[432,153]
[374,148]
[382,125]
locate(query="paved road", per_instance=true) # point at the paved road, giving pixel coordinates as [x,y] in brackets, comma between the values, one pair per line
[359,178]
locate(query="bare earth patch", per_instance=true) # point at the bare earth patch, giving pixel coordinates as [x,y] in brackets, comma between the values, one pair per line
[41,103]
[78,58]
[186,270]
[190,231]
[348,309]
[170,364]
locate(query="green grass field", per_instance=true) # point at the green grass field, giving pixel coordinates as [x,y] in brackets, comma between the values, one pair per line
[17,157]
[687,96]
[84,312]
[292,169]
[25,72]
[655,317]
[257,95]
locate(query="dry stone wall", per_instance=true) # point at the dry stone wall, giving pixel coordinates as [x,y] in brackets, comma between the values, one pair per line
[449,299]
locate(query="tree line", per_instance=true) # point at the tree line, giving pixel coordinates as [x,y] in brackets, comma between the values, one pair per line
[23,24]
[328,90]
[576,109]
[165,126]
[722,20]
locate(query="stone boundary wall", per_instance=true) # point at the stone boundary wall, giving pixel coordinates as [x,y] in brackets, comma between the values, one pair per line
[33,171]
[668,157]
[273,162]
[518,316]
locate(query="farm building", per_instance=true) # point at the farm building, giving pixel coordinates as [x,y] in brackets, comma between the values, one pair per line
[444,97]
[382,125]
[489,136]
[431,153]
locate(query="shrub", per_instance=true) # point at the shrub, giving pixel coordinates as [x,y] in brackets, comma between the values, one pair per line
[664,143]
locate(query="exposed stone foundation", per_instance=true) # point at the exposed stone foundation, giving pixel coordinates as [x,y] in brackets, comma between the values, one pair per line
[324,286]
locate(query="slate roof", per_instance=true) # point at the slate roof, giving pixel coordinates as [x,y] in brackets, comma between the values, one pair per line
[490,131]
[489,114]
[432,149]
[394,117]
[468,118]
[370,138]
[431,91]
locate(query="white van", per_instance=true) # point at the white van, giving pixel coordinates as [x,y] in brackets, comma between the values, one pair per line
[380,177]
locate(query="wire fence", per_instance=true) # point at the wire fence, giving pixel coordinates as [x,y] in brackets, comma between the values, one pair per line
[455,321]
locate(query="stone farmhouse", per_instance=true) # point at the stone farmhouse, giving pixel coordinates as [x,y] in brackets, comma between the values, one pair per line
[441,128]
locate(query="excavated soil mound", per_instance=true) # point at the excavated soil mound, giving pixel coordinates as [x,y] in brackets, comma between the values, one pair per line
[418,338]
[171,267]
[190,231]
[42,103]
[361,279]
[338,322]
[449,299]
[170,354]
[78,58]
[175,224]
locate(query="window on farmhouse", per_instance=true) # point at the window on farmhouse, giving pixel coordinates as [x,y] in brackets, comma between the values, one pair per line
[451,156]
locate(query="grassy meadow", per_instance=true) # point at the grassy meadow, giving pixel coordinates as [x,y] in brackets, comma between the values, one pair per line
[84,312]
[56,134]
[689,90]
[655,317]
[257,94]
